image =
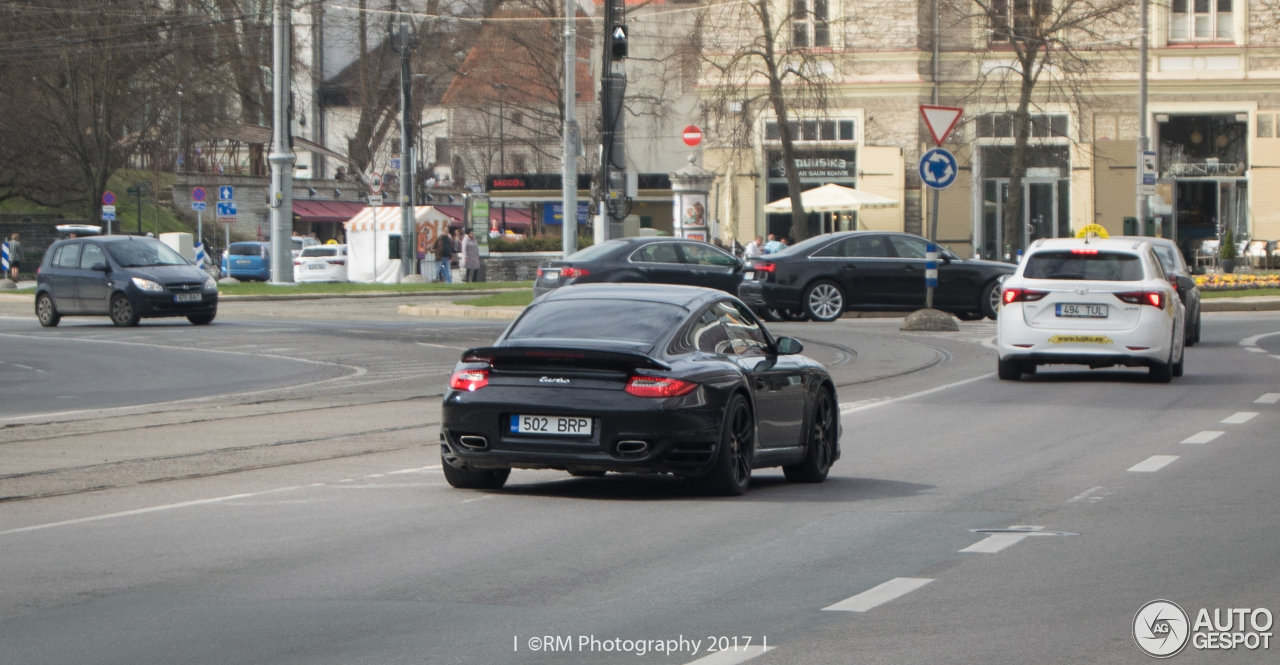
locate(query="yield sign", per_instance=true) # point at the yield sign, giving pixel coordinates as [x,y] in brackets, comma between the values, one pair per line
[941,120]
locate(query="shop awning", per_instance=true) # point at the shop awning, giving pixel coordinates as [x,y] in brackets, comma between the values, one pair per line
[326,211]
[517,218]
[834,198]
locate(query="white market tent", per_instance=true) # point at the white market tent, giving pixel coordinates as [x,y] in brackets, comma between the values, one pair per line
[368,241]
[834,198]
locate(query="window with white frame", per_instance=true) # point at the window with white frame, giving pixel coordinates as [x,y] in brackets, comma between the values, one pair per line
[1201,21]
[1008,18]
[809,23]
[813,130]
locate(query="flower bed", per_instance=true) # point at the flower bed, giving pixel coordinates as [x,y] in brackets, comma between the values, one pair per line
[1238,281]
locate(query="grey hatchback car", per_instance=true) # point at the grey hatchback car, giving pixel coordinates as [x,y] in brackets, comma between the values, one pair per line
[123,277]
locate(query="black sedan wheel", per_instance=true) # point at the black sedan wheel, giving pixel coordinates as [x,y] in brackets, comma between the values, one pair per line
[473,479]
[822,444]
[990,300]
[46,312]
[823,301]
[122,312]
[732,471]
[1194,338]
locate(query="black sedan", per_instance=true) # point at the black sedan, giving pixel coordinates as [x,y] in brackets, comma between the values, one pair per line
[823,277]
[652,260]
[123,277]
[1182,278]
[643,379]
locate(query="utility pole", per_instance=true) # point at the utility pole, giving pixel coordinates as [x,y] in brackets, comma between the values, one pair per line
[501,89]
[408,222]
[933,193]
[613,148]
[1143,141]
[571,139]
[281,158]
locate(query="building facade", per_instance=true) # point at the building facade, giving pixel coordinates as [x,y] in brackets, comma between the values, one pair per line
[1212,118]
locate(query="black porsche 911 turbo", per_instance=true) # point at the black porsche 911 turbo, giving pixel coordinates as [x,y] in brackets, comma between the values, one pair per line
[639,378]
[827,275]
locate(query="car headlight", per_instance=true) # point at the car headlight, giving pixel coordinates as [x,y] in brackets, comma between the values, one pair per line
[147,285]
[210,285]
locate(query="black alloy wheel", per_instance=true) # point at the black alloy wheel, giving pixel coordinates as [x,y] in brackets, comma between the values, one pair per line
[731,473]
[822,443]
[46,312]
[472,479]
[990,300]
[823,301]
[1194,338]
[1163,372]
[122,312]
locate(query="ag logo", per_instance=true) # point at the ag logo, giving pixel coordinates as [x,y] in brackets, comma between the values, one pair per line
[1161,629]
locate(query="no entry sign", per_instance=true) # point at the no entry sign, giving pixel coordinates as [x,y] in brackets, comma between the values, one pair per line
[692,135]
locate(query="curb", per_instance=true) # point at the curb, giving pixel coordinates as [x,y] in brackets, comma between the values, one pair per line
[1241,304]
[491,313]
[356,296]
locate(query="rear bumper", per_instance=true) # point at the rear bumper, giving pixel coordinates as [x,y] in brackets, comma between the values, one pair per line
[1148,343]
[760,294]
[681,435]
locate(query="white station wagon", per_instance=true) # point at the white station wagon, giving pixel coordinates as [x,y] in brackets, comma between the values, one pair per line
[1091,301]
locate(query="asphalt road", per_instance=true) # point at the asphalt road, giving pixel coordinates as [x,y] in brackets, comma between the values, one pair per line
[364,554]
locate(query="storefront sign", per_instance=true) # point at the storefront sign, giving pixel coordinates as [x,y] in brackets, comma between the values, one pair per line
[690,213]
[553,213]
[824,165]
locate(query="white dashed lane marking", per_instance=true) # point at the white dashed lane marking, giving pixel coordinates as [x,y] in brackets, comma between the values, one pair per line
[1088,494]
[732,657]
[1254,349]
[879,595]
[1153,463]
[1268,398]
[1203,437]
[996,542]
[1239,417]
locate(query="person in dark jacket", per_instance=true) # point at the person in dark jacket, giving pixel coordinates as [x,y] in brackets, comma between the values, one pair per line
[445,256]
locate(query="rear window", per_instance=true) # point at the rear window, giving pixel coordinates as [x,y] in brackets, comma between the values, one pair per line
[1066,264]
[244,249]
[320,251]
[623,320]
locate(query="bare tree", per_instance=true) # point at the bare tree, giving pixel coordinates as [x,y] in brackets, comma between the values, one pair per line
[1048,44]
[760,55]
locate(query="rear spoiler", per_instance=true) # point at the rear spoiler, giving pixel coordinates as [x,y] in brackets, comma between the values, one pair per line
[515,357]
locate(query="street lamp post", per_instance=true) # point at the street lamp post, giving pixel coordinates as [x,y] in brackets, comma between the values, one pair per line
[1143,140]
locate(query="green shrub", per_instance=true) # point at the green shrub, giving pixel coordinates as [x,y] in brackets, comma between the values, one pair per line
[1228,249]
[538,244]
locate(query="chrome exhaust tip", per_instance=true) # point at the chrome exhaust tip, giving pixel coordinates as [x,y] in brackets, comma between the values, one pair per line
[632,448]
[473,442]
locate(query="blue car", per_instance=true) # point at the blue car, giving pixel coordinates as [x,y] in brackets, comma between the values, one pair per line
[248,260]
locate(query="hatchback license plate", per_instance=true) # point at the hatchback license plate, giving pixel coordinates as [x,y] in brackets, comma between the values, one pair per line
[1082,311]
[187,297]
[558,425]
[241,262]
[551,275]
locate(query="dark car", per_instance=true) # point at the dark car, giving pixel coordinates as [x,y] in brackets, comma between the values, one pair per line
[123,277]
[247,260]
[1181,275]
[653,260]
[639,378]
[825,276]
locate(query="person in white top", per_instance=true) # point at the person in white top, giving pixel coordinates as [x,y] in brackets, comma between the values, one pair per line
[753,248]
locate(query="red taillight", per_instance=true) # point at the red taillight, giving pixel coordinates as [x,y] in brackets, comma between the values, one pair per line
[570,273]
[1084,251]
[469,380]
[539,273]
[1022,295]
[1153,298]
[765,267]
[297,262]
[657,386]
[337,262]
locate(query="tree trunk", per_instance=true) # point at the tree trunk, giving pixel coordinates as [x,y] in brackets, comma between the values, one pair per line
[1014,224]
[799,219]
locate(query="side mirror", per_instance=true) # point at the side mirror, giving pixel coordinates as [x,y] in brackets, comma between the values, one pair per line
[1184,282]
[787,346]
[100,267]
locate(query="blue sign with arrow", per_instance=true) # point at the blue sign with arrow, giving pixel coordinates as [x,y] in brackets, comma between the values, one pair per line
[938,168]
[226,193]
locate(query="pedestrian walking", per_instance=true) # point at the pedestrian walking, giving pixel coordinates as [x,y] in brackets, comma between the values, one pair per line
[754,248]
[15,257]
[444,255]
[470,257]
